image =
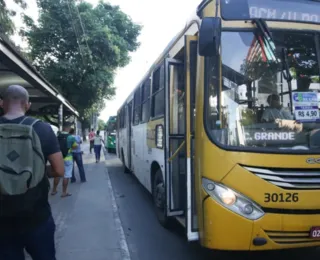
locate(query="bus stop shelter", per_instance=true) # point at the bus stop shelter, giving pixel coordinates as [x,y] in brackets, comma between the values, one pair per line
[46,100]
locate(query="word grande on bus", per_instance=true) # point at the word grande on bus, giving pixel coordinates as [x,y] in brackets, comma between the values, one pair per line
[274,136]
[271,13]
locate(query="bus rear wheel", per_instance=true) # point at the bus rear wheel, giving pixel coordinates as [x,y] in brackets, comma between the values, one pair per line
[159,199]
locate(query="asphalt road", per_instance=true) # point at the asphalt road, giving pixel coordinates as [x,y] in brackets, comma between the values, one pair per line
[148,240]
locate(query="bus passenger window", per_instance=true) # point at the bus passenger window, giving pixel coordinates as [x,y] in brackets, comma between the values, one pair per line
[158,103]
[137,107]
[145,91]
[177,99]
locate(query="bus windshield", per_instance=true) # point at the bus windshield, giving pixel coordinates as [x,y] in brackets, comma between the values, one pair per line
[257,107]
[287,10]
[111,126]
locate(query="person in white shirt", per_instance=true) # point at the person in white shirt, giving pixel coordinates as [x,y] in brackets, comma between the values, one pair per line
[97,145]
[275,111]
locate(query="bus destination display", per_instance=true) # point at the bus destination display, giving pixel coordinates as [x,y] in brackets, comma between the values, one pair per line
[287,10]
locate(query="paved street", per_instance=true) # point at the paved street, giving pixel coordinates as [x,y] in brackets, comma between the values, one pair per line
[111,218]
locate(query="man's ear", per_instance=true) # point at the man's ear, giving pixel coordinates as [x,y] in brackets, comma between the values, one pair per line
[27,106]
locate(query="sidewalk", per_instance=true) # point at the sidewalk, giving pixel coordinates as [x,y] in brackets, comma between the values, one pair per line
[88,226]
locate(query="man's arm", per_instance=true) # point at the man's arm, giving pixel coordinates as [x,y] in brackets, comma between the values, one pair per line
[50,148]
[57,165]
[79,139]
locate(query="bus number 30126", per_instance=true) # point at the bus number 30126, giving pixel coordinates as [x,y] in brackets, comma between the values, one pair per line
[281,197]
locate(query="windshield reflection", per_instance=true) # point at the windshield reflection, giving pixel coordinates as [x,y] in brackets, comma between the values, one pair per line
[111,127]
[256,108]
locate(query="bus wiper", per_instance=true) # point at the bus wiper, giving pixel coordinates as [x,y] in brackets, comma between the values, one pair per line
[270,45]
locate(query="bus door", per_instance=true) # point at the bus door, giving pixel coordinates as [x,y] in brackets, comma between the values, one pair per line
[175,137]
[191,54]
[129,135]
[180,112]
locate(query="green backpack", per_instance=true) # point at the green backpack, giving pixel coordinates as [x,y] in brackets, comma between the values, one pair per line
[22,167]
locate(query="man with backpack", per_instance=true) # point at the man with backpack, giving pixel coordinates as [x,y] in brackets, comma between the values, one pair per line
[67,144]
[26,144]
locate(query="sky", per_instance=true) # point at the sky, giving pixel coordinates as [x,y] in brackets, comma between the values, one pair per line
[161,21]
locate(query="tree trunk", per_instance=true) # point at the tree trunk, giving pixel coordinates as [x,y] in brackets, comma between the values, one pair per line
[83,128]
[84,136]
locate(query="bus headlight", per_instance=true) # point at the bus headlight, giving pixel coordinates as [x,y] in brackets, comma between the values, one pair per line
[232,200]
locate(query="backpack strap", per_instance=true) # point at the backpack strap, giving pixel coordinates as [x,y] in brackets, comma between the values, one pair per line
[29,121]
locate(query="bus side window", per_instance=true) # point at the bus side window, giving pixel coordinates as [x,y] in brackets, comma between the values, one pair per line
[157,107]
[145,107]
[177,99]
[137,106]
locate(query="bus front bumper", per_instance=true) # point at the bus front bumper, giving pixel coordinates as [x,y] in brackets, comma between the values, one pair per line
[226,230]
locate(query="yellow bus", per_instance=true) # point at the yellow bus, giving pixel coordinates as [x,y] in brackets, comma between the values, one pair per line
[224,128]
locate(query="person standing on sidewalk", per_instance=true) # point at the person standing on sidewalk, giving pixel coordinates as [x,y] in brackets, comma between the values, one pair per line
[97,146]
[26,220]
[67,144]
[91,139]
[77,157]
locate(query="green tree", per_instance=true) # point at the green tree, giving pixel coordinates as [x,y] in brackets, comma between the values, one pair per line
[101,124]
[7,26]
[79,48]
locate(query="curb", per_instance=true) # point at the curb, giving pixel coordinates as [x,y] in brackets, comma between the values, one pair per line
[125,253]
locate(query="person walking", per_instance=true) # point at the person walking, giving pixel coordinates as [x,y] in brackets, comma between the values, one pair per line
[26,220]
[97,146]
[67,144]
[77,157]
[91,139]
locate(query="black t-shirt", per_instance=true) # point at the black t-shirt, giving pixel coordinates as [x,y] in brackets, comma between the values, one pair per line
[42,212]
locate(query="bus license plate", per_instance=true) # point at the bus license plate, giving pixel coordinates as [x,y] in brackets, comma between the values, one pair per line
[315,232]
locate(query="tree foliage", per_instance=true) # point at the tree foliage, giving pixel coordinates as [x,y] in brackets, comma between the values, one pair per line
[7,26]
[101,124]
[79,47]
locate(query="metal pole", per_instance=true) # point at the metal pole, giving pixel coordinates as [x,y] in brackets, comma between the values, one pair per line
[61,117]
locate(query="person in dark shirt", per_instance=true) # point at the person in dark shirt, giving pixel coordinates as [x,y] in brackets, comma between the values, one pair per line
[33,231]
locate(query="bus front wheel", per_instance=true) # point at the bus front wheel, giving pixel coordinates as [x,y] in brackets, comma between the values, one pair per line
[159,199]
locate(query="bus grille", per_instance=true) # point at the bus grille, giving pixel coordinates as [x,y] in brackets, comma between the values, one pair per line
[301,179]
[290,237]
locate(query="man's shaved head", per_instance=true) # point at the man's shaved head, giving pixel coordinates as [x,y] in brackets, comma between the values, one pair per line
[15,100]
[15,93]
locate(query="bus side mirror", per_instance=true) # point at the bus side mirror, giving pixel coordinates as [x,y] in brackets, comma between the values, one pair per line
[209,36]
